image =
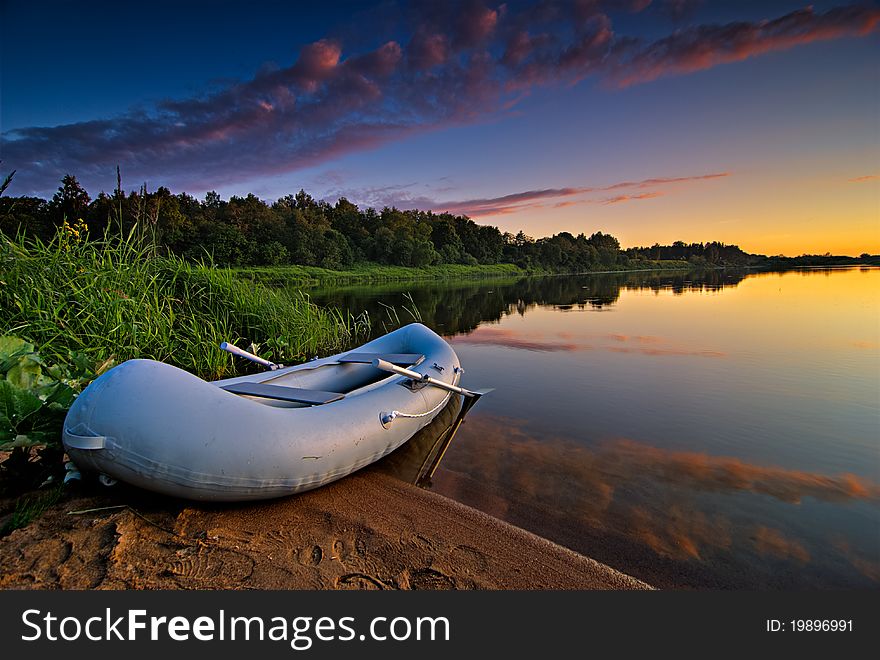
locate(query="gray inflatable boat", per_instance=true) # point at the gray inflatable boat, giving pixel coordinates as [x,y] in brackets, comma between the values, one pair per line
[264,435]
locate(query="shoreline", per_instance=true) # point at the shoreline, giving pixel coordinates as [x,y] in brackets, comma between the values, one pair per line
[317,277]
[366,531]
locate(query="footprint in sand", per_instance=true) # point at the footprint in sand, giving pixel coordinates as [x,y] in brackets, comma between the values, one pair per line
[420,542]
[428,578]
[359,581]
[466,557]
[204,564]
[310,556]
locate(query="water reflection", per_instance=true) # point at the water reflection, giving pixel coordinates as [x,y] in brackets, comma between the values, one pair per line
[458,306]
[417,459]
[663,515]
[560,341]
[714,429]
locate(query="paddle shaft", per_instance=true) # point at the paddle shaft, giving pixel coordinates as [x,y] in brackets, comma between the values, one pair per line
[235,350]
[421,378]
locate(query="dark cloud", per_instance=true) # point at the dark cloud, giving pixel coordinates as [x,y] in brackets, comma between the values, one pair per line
[704,46]
[463,61]
[679,10]
[425,51]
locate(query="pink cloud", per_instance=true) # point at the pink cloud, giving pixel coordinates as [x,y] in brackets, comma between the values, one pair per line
[867,177]
[646,183]
[626,198]
[524,200]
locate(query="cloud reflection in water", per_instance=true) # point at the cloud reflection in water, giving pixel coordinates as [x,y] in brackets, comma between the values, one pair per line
[664,501]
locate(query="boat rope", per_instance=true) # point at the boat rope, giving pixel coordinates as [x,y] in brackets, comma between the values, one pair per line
[394,414]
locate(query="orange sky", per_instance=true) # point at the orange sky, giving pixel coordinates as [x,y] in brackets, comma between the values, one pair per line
[834,212]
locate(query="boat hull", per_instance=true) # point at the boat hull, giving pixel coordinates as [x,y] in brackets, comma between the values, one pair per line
[161,428]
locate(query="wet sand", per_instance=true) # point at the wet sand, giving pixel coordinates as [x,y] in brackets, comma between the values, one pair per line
[367,531]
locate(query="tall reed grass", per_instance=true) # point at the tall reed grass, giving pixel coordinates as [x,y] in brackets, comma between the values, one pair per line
[114,297]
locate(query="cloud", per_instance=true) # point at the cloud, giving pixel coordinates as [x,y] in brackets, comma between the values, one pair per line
[505,203]
[649,183]
[425,51]
[626,198]
[704,46]
[863,179]
[526,199]
[562,205]
[402,196]
[463,62]
[678,10]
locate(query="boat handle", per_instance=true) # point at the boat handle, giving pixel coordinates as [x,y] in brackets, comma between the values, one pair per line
[421,378]
[84,441]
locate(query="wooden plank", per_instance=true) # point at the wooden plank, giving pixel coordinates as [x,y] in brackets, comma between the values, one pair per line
[281,393]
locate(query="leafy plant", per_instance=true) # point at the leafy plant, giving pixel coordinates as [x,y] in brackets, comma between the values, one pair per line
[34,399]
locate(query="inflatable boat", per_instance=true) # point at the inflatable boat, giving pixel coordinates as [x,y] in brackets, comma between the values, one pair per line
[264,435]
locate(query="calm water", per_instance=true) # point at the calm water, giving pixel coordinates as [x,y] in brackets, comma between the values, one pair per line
[704,430]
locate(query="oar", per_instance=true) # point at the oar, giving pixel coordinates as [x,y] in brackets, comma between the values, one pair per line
[235,350]
[423,378]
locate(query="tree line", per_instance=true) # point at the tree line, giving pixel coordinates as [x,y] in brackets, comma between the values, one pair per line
[696,253]
[297,229]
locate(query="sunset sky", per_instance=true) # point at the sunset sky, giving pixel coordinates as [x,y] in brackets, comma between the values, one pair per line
[755,123]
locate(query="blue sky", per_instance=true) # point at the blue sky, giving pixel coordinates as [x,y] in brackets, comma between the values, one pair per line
[753,123]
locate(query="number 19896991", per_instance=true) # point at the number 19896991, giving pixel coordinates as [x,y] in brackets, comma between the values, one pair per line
[810,625]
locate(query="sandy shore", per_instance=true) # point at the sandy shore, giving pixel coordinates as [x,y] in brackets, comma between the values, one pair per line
[367,531]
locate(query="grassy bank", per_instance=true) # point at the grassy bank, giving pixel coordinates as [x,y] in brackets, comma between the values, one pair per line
[113,299]
[306,276]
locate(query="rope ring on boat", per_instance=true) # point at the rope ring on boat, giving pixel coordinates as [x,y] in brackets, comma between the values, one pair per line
[387,417]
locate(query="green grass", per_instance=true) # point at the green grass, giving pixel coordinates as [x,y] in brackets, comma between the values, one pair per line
[308,276]
[30,507]
[304,276]
[111,298]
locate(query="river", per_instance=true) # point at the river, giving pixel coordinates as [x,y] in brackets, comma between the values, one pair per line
[714,429]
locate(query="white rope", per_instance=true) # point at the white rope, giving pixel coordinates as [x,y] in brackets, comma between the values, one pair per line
[394,414]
